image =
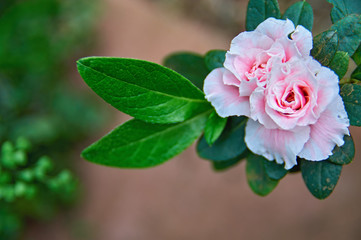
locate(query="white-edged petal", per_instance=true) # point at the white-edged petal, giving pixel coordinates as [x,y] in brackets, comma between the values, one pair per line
[224,98]
[276,144]
[303,40]
[275,28]
[327,132]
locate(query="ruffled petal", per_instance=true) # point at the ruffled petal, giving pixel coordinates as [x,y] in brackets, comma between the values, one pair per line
[328,82]
[276,144]
[303,39]
[275,28]
[249,40]
[327,132]
[224,98]
[257,108]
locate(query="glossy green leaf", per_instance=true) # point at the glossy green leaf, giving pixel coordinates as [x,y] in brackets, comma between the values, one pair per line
[320,177]
[144,90]
[229,145]
[344,154]
[300,13]
[325,47]
[356,74]
[215,59]
[260,10]
[257,177]
[339,63]
[357,55]
[349,33]
[214,127]
[274,170]
[351,95]
[137,144]
[342,8]
[190,65]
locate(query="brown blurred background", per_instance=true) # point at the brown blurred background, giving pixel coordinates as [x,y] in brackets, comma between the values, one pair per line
[184,198]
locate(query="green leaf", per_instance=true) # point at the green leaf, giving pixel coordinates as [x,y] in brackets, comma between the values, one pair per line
[257,177]
[344,154]
[144,90]
[137,144]
[356,74]
[274,170]
[300,13]
[260,10]
[351,95]
[339,63]
[349,33]
[224,165]
[214,127]
[342,8]
[357,55]
[320,177]
[325,47]
[190,65]
[229,145]
[215,59]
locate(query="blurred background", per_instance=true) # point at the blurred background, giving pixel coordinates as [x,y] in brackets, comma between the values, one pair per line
[48,115]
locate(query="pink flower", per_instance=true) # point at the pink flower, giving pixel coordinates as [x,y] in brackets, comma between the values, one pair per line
[292,101]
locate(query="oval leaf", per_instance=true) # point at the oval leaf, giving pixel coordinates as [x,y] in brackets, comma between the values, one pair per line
[349,33]
[215,59]
[320,177]
[257,177]
[224,165]
[137,144]
[344,154]
[190,65]
[339,63]
[274,170]
[229,145]
[300,13]
[351,95]
[342,8]
[260,10]
[325,47]
[144,90]
[214,128]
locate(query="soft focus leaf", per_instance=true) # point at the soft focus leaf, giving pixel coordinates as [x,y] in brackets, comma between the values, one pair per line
[356,74]
[344,154]
[229,145]
[214,127]
[274,170]
[351,95]
[320,177]
[257,177]
[325,47]
[224,165]
[215,59]
[260,10]
[300,13]
[144,90]
[190,65]
[342,8]
[339,63]
[137,144]
[349,33]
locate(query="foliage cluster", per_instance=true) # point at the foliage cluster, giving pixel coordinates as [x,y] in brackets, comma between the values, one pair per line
[170,111]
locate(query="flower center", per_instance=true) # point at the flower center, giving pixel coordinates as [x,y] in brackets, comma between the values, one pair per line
[257,71]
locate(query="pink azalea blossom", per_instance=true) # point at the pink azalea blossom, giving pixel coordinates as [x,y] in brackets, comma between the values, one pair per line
[292,101]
